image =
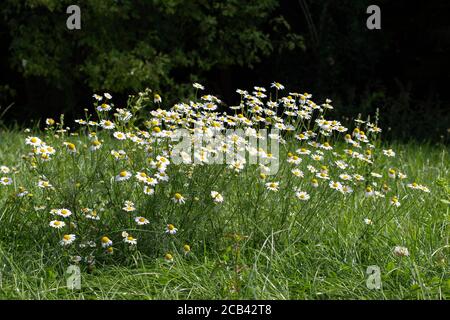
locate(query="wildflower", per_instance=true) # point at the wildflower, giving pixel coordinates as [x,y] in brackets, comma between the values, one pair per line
[277,85]
[95,145]
[314,183]
[57,224]
[108,125]
[64,212]
[335,185]
[157,98]
[323,175]
[129,206]
[368,221]
[6,181]
[369,192]
[297,173]
[345,177]
[107,96]
[110,250]
[389,153]
[123,176]
[402,176]
[198,86]
[104,107]
[346,189]
[272,186]
[106,242]
[376,175]
[44,184]
[130,240]
[148,191]
[168,257]
[170,229]
[141,221]
[4,169]
[395,202]
[178,198]
[33,141]
[67,239]
[391,173]
[302,195]
[97,97]
[22,192]
[49,121]
[119,135]
[217,197]
[401,251]
[186,248]
[70,147]
[92,215]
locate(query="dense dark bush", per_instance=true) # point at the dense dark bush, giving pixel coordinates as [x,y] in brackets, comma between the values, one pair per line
[322,47]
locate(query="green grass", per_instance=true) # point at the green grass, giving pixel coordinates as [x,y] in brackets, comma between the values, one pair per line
[256,245]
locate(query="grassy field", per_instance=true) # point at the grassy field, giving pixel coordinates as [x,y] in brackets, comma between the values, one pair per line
[265,240]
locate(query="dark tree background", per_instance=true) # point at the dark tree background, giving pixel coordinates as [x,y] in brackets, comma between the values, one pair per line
[322,47]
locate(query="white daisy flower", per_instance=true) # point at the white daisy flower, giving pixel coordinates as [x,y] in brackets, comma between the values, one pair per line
[67,239]
[141,221]
[57,224]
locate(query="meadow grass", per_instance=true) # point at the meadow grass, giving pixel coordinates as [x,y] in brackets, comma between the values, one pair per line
[326,260]
[109,197]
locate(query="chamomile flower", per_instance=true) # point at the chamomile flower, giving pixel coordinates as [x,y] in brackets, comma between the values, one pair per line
[178,198]
[157,98]
[5,169]
[67,239]
[104,107]
[335,185]
[130,240]
[198,86]
[170,229]
[297,172]
[106,242]
[44,184]
[57,224]
[64,212]
[33,141]
[148,191]
[369,192]
[217,197]
[108,125]
[302,195]
[141,221]
[389,153]
[186,248]
[168,257]
[70,147]
[394,201]
[272,186]
[119,135]
[6,181]
[368,221]
[277,85]
[129,206]
[123,176]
